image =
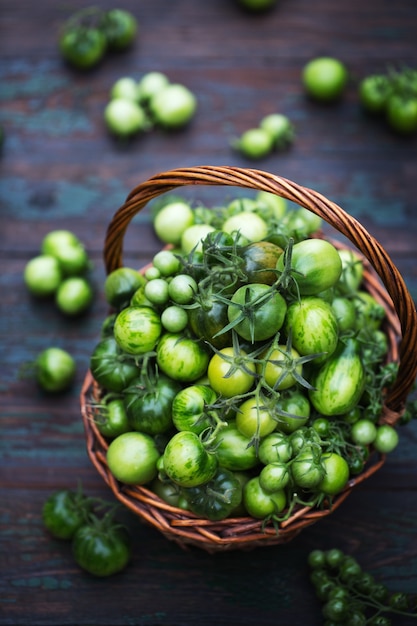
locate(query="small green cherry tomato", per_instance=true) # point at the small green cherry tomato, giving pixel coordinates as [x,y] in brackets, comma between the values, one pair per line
[292,411]
[74,295]
[55,370]
[280,128]
[325,78]
[181,358]
[182,288]
[336,474]
[174,319]
[111,419]
[156,291]
[137,329]
[386,439]
[363,432]
[166,262]
[275,448]
[125,87]
[67,248]
[306,469]
[132,458]
[274,476]
[42,275]
[173,106]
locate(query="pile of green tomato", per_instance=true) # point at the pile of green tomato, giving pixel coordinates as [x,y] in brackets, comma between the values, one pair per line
[242,372]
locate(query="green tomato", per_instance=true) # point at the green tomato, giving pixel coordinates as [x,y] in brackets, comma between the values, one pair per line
[172,220]
[401,112]
[280,366]
[325,78]
[132,458]
[181,358]
[125,117]
[74,296]
[68,250]
[150,84]
[187,462]
[374,91]
[55,369]
[230,374]
[120,286]
[83,47]
[111,367]
[137,329]
[216,499]
[191,408]
[111,419]
[64,512]
[274,477]
[120,28]
[363,432]
[250,226]
[386,439]
[234,450]
[306,468]
[261,504]
[255,143]
[336,474]
[193,236]
[42,275]
[254,419]
[292,411]
[173,106]
[260,311]
[174,319]
[101,549]
[280,129]
[149,406]
[275,448]
[125,88]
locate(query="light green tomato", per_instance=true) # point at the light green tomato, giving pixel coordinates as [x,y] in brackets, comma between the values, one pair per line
[125,117]
[137,329]
[173,106]
[150,84]
[125,88]
[172,220]
[249,225]
[42,275]
[192,237]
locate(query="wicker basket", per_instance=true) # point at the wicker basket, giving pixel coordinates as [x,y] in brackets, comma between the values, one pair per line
[381,279]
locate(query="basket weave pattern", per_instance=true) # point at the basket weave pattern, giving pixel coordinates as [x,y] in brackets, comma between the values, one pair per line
[381,278]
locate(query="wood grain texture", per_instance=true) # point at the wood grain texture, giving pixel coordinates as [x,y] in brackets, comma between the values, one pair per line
[59,168]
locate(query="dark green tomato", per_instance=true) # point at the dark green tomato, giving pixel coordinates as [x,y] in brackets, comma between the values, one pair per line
[306,469]
[181,357]
[336,609]
[216,499]
[112,419]
[322,427]
[101,551]
[315,266]
[83,47]
[399,601]
[217,246]
[120,286]
[208,319]
[187,462]
[191,408]
[234,450]
[313,327]
[379,620]
[108,326]
[64,512]
[339,382]
[168,491]
[316,559]
[120,28]
[356,618]
[334,557]
[301,437]
[401,113]
[374,91]
[148,405]
[260,260]
[257,312]
[112,368]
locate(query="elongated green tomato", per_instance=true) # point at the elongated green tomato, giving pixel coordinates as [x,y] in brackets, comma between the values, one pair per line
[172,220]
[42,275]
[336,474]
[234,450]
[190,408]
[230,374]
[257,311]
[181,358]
[137,329]
[252,418]
[132,458]
[262,504]
[313,327]
[339,382]
[187,462]
[315,266]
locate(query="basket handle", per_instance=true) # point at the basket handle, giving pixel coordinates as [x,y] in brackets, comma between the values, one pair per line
[309,199]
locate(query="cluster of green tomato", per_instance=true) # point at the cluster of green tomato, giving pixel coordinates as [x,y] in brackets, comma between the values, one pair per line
[221,364]
[100,545]
[58,272]
[92,32]
[275,132]
[352,596]
[136,106]
[393,96]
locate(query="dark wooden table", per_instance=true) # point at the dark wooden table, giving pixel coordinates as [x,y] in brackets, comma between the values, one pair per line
[60,169]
